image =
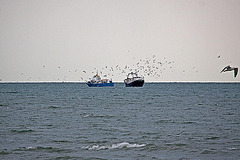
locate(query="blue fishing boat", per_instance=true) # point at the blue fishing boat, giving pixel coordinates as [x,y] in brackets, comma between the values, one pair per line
[96,81]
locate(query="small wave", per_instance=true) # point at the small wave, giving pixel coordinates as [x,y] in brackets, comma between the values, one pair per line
[3,105]
[212,138]
[189,122]
[61,141]
[53,107]
[22,131]
[176,144]
[102,116]
[208,152]
[85,115]
[71,157]
[39,148]
[233,149]
[164,121]
[13,92]
[98,116]
[114,146]
[4,152]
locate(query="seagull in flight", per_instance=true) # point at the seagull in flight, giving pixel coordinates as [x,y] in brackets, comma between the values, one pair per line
[228,68]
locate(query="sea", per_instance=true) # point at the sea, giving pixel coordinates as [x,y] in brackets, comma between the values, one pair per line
[159,121]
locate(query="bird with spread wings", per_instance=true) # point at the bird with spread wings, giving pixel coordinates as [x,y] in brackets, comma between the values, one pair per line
[228,68]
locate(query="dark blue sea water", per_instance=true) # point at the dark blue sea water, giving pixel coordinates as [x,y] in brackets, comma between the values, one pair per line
[158,121]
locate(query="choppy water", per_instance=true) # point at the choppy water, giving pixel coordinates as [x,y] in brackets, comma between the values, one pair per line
[158,121]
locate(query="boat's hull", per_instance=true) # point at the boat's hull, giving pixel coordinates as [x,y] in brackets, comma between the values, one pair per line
[100,84]
[138,83]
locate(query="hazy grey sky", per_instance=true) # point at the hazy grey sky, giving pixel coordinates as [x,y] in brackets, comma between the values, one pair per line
[55,40]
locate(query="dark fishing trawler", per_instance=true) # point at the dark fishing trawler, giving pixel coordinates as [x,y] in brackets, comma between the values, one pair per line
[133,80]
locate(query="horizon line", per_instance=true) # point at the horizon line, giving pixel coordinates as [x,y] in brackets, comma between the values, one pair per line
[121,82]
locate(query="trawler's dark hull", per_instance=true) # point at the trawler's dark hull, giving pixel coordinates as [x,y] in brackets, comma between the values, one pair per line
[137,83]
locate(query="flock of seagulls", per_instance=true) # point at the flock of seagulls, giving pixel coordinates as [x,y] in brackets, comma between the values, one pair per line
[147,67]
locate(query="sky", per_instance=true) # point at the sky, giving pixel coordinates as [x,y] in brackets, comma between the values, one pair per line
[70,40]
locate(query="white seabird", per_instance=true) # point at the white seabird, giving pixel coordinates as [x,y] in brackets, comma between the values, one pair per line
[228,68]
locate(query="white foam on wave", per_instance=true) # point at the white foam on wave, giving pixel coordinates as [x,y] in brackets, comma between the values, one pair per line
[114,146]
[233,148]
[30,148]
[86,115]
